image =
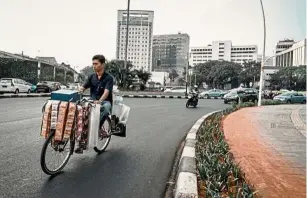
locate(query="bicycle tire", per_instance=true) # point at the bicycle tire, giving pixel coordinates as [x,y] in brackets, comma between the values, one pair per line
[43,156]
[103,148]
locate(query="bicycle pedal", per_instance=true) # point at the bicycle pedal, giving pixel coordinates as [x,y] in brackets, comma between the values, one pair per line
[79,151]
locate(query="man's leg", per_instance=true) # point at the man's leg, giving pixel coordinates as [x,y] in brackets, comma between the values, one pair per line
[105,111]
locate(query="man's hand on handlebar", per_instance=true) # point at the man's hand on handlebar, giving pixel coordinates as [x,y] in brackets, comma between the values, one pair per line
[81,90]
[97,102]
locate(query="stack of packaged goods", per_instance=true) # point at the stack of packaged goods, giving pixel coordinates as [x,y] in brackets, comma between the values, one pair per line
[65,117]
[54,114]
[46,120]
[70,121]
[79,122]
[61,121]
[85,119]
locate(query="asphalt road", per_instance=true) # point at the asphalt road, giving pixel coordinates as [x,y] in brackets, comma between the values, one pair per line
[135,166]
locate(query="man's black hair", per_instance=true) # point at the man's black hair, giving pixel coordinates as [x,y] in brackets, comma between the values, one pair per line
[100,58]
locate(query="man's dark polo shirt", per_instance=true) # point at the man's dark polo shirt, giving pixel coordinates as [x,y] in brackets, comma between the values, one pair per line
[97,86]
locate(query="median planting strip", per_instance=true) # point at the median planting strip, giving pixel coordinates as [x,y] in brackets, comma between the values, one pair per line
[206,167]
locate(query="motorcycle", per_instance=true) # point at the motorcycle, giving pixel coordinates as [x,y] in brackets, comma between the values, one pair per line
[92,134]
[192,99]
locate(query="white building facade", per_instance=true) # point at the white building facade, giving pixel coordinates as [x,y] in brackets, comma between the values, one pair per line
[293,56]
[223,50]
[139,40]
[283,45]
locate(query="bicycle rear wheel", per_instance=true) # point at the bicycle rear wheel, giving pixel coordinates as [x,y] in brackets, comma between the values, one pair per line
[104,136]
[58,148]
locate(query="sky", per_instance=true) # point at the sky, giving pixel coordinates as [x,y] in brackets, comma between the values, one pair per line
[75,30]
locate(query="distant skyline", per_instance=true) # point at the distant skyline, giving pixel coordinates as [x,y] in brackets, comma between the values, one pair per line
[73,30]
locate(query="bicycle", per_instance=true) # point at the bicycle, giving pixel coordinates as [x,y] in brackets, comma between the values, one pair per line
[115,128]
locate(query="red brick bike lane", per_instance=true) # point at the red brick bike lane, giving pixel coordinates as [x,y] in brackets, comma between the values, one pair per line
[269,149]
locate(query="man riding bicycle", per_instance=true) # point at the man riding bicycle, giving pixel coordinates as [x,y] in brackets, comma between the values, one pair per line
[101,86]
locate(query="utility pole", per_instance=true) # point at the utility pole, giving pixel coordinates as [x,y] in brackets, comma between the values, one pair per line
[263,57]
[126,44]
[127,35]
[186,76]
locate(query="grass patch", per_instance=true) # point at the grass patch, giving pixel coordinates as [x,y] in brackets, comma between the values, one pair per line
[219,175]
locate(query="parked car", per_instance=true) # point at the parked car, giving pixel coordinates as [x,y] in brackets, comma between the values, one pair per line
[14,85]
[245,94]
[33,87]
[291,97]
[73,86]
[213,93]
[47,86]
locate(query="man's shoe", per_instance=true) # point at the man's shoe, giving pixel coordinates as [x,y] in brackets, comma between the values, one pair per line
[79,150]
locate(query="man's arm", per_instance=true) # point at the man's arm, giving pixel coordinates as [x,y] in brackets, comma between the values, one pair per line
[107,90]
[86,84]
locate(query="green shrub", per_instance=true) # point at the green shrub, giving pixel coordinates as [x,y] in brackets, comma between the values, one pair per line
[220,175]
[272,102]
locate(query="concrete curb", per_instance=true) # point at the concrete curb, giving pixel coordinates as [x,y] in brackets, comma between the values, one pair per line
[125,96]
[186,182]
[25,95]
[163,96]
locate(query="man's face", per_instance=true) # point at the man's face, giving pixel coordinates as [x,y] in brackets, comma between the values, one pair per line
[97,65]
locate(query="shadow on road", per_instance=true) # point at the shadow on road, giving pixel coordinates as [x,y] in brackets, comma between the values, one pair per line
[89,177]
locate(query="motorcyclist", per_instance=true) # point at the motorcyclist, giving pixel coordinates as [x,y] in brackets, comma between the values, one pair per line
[195,89]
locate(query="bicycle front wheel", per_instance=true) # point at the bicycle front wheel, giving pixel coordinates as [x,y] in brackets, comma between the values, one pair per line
[104,136]
[60,149]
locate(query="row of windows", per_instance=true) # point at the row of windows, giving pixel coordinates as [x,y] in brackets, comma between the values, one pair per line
[200,50]
[134,28]
[135,50]
[122,51]
[234,49]
[240,49]
[202,53]
[202,56]
[139,54]
[132,45]
[130,33]
[134,41]
[241,55]
[144,37]
[238,60]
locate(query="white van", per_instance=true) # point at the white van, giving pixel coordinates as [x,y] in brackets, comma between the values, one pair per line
[14,85]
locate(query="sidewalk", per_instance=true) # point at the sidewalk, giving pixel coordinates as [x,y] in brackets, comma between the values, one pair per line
[270,148]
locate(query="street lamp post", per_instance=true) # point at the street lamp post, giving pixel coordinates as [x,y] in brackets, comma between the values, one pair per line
[126,44]
[263,57]
[186,76]
[127,35]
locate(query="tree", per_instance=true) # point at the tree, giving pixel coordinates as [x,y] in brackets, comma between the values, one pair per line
[123,76]
[173,74]
[181,81]
[143,75]
[225,72]
[293,78]
[86,71]
[218,73]
[250,73]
